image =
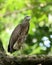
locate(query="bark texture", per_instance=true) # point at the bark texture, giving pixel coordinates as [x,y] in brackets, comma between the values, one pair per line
[25,60]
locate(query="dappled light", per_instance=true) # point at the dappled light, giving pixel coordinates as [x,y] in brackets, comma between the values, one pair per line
[39,38]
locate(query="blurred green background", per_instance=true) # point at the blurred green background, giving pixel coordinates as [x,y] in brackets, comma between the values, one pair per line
[39,40]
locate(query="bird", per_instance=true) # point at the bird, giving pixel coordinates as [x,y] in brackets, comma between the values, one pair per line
[19,34]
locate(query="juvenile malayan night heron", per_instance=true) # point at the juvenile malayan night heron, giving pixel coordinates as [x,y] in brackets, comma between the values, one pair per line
[19,34]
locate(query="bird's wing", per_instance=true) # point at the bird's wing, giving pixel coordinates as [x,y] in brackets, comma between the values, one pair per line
[14,36]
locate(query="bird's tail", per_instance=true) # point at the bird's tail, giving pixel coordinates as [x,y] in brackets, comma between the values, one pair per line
[11,50]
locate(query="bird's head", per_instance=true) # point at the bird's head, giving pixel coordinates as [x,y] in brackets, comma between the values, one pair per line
[27,19]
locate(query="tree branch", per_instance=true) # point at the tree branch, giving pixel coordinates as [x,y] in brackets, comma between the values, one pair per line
[25,60]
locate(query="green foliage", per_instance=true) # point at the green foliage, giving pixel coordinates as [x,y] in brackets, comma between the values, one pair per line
[39,40]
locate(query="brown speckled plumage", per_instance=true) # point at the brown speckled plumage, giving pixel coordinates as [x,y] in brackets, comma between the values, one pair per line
[19,34]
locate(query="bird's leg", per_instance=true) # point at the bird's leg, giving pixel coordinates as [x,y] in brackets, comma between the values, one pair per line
[15,46]
[21,49]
